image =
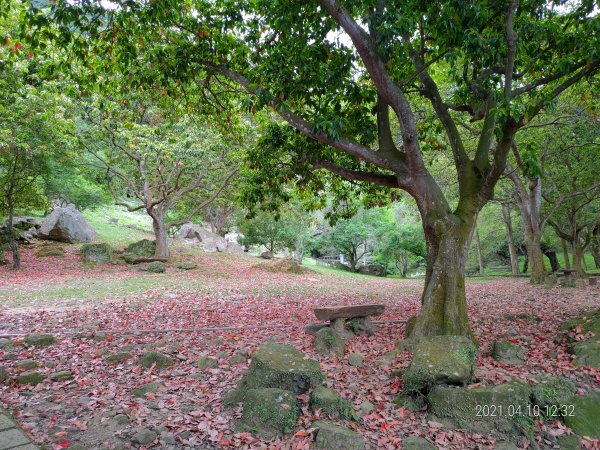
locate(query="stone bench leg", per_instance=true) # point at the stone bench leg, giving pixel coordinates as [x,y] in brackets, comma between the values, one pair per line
[339,326]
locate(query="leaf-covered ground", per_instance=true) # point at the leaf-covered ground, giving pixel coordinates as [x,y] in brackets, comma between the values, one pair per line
[97,409]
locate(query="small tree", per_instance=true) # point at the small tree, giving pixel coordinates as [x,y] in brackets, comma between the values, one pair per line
[155,164]
[270,231]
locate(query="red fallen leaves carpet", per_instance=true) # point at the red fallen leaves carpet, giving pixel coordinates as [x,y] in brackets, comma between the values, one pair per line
[231,291]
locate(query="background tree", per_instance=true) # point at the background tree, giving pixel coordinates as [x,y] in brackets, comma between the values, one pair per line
[502,63]
[274,232]
[158,162]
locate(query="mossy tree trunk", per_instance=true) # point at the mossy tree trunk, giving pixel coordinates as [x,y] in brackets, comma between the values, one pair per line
[160,233]
[443,302]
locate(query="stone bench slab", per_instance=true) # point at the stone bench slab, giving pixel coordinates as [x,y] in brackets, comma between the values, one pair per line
[348,312]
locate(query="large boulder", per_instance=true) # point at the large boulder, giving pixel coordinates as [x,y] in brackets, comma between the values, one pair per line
[587,353]
[493,410]
[97,253]
[553,392]
[66,225]
[234,248]
[583,416]
[270,411]
[440,360]
[334,437]
[189,231]
[277,366]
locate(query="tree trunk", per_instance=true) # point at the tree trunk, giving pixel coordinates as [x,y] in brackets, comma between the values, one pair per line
[160,235]
[595,246]
[512,249]
[536,259]
[578,253]
[12,238]
[550,253]
[565,254]
[479,254]
[443,303]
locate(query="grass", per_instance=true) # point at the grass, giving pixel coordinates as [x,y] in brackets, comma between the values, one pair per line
[131,227]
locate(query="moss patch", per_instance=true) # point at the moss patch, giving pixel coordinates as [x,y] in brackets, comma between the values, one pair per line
[586,418]
[483,409]
[553,391]
[161,361]
[97,253]
[329,401]
[39,339]
[32,378]
[269,411]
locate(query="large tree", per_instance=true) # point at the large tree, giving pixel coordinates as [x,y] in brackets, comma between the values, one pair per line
[334,71]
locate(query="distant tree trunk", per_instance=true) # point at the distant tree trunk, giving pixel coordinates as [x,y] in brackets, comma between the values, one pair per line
[479,253]
[550,253]
[402,263]
[160,234]
[529,200]
[565,254]
[595,245]
[12,238]
[578,260]
[512,249]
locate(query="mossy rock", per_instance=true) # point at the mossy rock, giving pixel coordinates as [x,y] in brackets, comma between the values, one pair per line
[118,358]
[278,366]
[97,253]
[39,339]
[186,265]
[160,360]
[334,437]
[4,375]
[508,353]
[440,360]
[495,410]
[237,360]
[328,342]
[553,391]
[62,375]
[585,420]
[50,250]
[269,411]
[571,442]
[329,401]
[28,364]
[589,321]
[144,248]
[410,325]
[412,403]
[145,389]
[206,363]
[417,443]
[355,359]
[154,267]
[32,378]
[587,353]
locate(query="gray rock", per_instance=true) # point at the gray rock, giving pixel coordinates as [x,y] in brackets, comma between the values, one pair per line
[440,360]
[39,339]
[328,342]
[167,438]
[329,401]
[266,255]
[66,225]
[97,253]
[269,411]
[206,363]
[366,407]
[234,248]
[144,436]
[355,359]
[145,389]
[121,419]
[209,247]
[508,353]
[334,437]
[417,443]
[61,376]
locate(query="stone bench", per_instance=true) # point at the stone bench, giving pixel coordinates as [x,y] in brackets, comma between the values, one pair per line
[359,316]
